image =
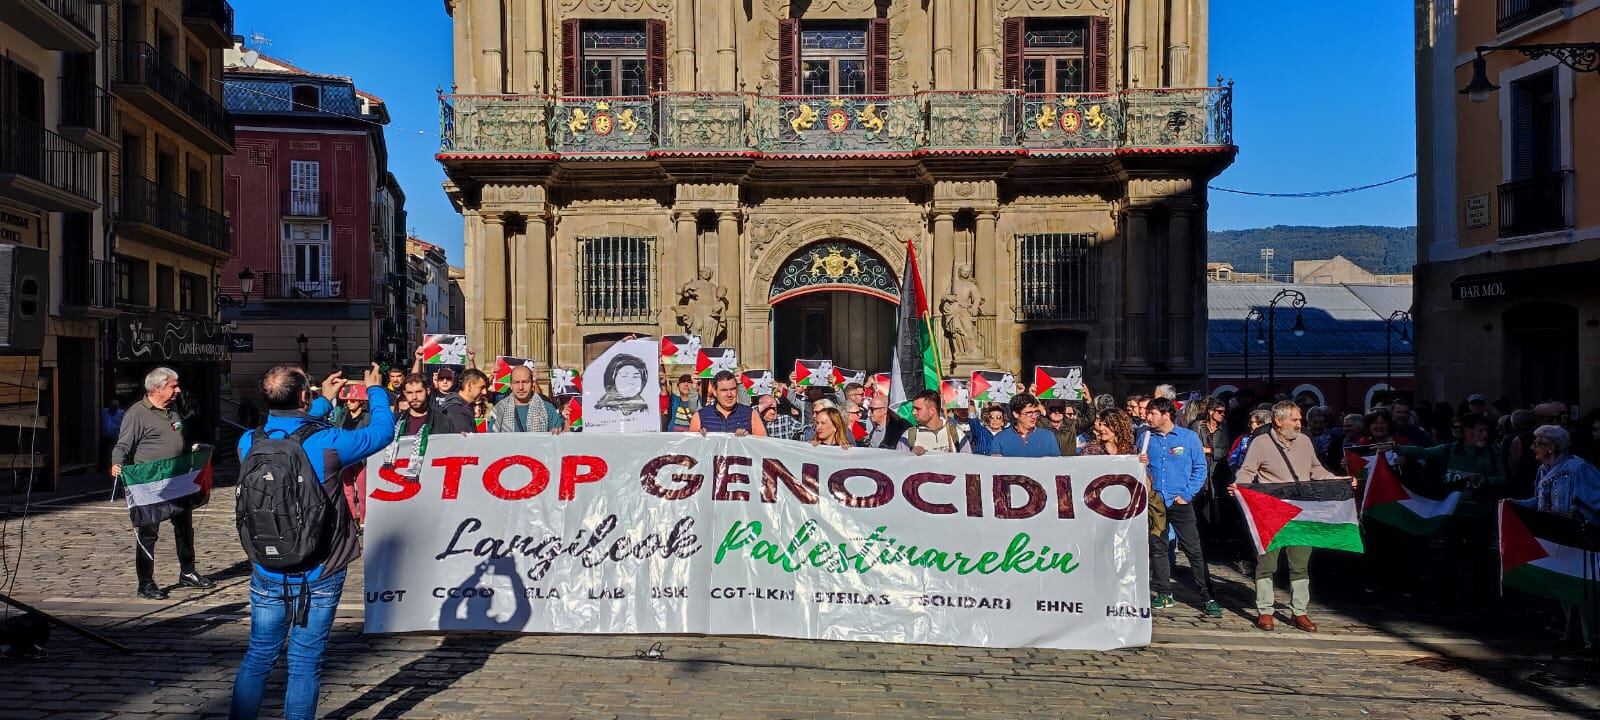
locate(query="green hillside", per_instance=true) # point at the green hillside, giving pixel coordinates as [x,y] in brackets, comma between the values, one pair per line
[1382,250]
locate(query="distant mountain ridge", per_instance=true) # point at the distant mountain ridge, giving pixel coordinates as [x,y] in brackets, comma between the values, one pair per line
[1381,250]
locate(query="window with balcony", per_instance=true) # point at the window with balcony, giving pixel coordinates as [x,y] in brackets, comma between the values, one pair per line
[833,57]
[618,279]
[610,58]
[1516,12]
[1057,55]
[305,188]
[1535,199]
[165,279]
[1056,276]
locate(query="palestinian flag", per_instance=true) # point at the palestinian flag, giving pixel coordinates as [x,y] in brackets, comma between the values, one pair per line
[503,366]
[992,386]
[1058,383]
[916,360]
[575,405]
[813,373]
[845,376]
[757,382]
[878,384]
[1549,555]
[159,489]
[565,381]
[713,360]
[444,350]
[1317,513]
[858,431]
[954,393]
[1389,501]
[679,349]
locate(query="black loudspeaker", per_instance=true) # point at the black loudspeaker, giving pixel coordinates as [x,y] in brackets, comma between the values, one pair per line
[24,298]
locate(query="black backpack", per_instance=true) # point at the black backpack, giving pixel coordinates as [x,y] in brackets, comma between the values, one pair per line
[287,520]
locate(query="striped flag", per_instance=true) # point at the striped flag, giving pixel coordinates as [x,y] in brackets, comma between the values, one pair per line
[1318,513]
[1389,501]
[159,489]
[1549,555]
[916,360]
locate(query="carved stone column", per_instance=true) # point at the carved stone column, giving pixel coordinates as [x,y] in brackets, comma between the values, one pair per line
[1178,46]
[730,271]
[1136,286]
[494,286]
[943,50]
[486,32]
[533,286]
[1180,284]
[1137,45]
[683,21]
[727,16]
[988,54]
[687,249]
[533,51]
[461,33]
[472,241]
[517,252]
[944,255]
[986,274]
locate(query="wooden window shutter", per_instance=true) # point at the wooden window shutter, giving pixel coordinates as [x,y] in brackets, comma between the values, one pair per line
[789,57]
[878,56]
[1100,60]
[655,43]
[1521,132]
[571,55]
[1011,36]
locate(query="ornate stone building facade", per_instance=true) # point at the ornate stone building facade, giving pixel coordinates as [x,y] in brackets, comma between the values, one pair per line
[753,171]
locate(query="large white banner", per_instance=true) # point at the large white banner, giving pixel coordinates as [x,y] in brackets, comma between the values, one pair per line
[678,533]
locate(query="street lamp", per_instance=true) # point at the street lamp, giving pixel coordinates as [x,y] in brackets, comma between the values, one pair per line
[247,282]
[305,353]
[1403,319]
[1581,57]
[1254,315]
[1297,300]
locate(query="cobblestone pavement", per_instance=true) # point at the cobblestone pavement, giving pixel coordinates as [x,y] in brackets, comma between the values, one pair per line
[1386,658]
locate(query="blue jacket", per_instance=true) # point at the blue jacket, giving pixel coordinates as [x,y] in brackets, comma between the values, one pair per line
[1177,462]
[1039,443]
[353,446]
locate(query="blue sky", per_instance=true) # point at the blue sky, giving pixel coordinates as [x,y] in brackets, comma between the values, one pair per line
[1323,99]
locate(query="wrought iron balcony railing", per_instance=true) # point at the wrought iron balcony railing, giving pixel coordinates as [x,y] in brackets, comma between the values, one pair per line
[146,203]
[85,109]
[598,125]
[141,64]
[1516,12]
[31,151]
[1001,121]
[214,12]
[1534,205]
[807,124]
[289,286]
[88,283]
[304,203]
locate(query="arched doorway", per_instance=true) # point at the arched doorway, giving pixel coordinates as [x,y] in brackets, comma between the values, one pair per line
[834,300]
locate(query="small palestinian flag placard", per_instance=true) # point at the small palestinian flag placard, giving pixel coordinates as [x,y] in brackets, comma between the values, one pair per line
[813,373]
[444,350]
[713,360]
[1058,383]
[757,382]
[575,412]
[503,366]
[992,386]
[565,383]
[955,392]
[845,376]
[878,385]
[680,349]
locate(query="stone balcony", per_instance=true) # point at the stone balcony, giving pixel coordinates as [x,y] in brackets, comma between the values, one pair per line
[953,122]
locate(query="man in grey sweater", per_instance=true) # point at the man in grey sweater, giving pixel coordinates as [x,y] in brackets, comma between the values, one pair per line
[152,430]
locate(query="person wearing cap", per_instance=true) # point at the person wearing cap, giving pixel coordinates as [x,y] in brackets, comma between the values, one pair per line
[1066,431]
[444,386]
[681,406]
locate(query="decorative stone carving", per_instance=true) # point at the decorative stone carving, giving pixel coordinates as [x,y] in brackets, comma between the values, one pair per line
[900,21]
[702,307]
[880,237]
[956,195]
[1157,189]
[960,310]
[1006,8]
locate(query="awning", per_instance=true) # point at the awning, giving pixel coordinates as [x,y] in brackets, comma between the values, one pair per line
[1517,283]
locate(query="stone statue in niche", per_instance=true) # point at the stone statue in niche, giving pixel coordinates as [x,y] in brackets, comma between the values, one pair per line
[960,309]
[697,309]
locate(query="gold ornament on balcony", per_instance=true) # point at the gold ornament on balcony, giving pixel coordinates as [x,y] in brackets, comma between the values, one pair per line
[835,264]
[579,121]
[626,121]
[1046,119]
[1097,118]
[803,120]
[870,119]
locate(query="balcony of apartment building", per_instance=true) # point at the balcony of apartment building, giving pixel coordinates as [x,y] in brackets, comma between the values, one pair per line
[303,284]
[1513,13]
[88,287]
[151,211]
[210,20]
[42,169]
[149,82]
[304,204]
[65,25]
[957,122]
[1537,204]
[86,116]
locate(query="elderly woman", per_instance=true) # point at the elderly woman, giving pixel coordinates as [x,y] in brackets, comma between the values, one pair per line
[1565,485]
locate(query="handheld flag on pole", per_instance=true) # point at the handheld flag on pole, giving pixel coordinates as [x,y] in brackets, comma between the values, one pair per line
[916,360]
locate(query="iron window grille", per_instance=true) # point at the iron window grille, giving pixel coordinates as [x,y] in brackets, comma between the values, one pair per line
[617,279]
[1056,275]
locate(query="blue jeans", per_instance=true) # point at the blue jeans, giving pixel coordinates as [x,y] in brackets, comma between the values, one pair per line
[272,614]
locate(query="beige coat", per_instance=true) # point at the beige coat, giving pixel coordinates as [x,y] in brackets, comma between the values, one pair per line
[1263,462]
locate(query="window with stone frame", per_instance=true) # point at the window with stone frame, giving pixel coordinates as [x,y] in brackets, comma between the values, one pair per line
[616,279]
[1056,276]
[613,58]
[1057,55]
[833,57]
